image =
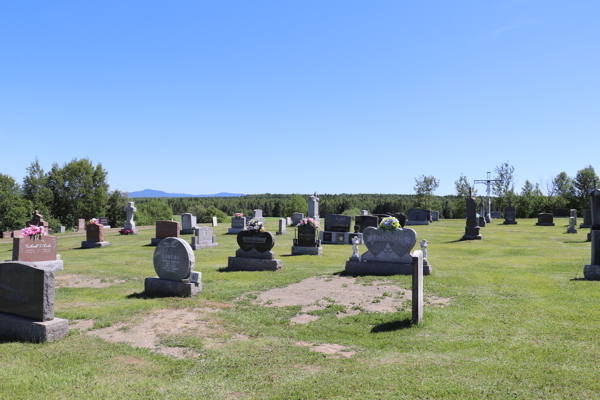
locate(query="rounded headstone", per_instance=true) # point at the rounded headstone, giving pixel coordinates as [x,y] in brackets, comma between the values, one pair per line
[259,241]
[173,259]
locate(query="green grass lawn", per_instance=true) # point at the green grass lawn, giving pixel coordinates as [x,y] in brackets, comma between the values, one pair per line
[521,324]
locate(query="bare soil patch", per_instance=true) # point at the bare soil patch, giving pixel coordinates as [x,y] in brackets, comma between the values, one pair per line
[317,293]
[332,350]
[151,329]
[82,324]
[82,281]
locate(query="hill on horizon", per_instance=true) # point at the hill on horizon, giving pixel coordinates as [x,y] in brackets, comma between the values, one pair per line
[160,193]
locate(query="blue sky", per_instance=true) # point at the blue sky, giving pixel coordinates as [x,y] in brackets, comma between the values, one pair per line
[300,96]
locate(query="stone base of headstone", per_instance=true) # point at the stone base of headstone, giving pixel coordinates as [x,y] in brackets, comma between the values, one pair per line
[92,245]
[417,287]
[157,286]
[202,245]
[25,329]
[307,251]
[416,223]
[510,223]
[155,241]
[354,267]
[186,231]
[281,232]
[488,219]
[591,272]
[339,237]
[571,230]
[57,264]
[585,226]
[472,234]
[234,231]
[545,223]
[481,222]
[253,264]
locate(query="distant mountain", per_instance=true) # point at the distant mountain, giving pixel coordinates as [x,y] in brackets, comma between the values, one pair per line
[159,193]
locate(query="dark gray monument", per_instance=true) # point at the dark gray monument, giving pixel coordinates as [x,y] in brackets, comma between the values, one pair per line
[254,253]
[592,271]
[307,241]
[27,294]
[545,219]
[510,214]
[561,213]
[174,262]
[482,214]
[337,230]
[417,216]
[361,222]
[472,228]
[587,219]
[296,218]
[238,224]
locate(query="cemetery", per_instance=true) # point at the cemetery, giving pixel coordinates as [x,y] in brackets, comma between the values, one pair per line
[358,302]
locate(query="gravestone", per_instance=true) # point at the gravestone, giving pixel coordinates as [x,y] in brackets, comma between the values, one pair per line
[238,224]
[188,222]
[435,216]
[572,228]
[37,219]
[27,294]
[417,216]
[401,218]
[17,234]
[6,235]
[496,214]
[364,212]
[257,215]
[337,230]
[472,228]
[388,253]
[62,229]
[81,224]
[104,221]
[130,209]
[282,227]
[592,271]
[174,263]
[545,219]
[94,237]
[254,253]
[510,214]
[214,221]
[307,242]
[203,237]
[165,229]
[361,222]
[425,250]
[38,250]
[296,218]
[313,207]
[482,214]
[561,213]
[587,219]
[288,221]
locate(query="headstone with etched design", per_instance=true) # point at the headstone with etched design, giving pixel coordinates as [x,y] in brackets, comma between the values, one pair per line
[307,241]
[545,219]
[254,253]
[203,238]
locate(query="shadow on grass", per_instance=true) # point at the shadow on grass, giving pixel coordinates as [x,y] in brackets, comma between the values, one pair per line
[578,279]
[144,295]
[392,326]
[577,241]
[457,240]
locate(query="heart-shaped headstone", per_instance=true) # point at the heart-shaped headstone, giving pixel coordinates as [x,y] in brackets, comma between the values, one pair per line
[260,241]
[400,241]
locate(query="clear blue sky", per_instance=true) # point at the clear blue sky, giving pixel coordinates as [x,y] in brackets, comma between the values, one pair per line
[300,96]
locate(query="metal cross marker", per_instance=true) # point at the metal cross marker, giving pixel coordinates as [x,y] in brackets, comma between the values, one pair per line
[488,182]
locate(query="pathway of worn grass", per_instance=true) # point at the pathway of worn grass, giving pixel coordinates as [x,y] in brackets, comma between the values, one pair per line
[520,323]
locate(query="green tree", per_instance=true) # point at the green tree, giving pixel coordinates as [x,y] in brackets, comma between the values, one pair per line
[562,186]
[79,190]
[35,189]
[14,209]
[505,174]
[296,204]
[584,181]
[152,211]
[117,201]
[424,188]
[462,187]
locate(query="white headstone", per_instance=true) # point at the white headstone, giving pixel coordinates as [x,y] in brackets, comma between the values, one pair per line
[282,224]
[129,222]
[214,221]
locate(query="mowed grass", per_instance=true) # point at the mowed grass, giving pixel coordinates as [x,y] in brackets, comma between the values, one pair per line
[521,324]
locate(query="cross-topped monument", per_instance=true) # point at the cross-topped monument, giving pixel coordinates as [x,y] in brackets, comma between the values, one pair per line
[488,182]
[129,222]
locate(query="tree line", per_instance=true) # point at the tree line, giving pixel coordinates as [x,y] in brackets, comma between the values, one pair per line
[79,189]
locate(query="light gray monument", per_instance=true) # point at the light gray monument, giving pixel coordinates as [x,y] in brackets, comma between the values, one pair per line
[364,212]
[288,221]
[424,249]
[572,228]
[313,207]
[174,262]
[214,221]
[27,294]
[483,217]
[282,227]
[130,220]
[258,215]
[62,229]
[188,223]
[203,238]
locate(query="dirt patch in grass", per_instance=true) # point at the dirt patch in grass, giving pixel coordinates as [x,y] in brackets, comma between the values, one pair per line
[82,281]
[332,350]
[350,298]
[173,325]
[82,324]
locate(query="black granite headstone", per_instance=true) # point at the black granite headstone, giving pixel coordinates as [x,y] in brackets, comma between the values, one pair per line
[338,223]
[307,236]
[417,214]
[103,220]
[363,221]
[260,241]
[27,291]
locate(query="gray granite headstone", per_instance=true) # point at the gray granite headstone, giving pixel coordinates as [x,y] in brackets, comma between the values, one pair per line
[296,218]
[173,259]
[62,229]
[188,221]
[313,207]
[129,221]
[364,212]
[238,222]
[389,246]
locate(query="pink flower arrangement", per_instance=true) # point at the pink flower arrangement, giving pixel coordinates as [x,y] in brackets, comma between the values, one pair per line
[93,221]
[125,231]
[309,222]
[33,230]
[239,215]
